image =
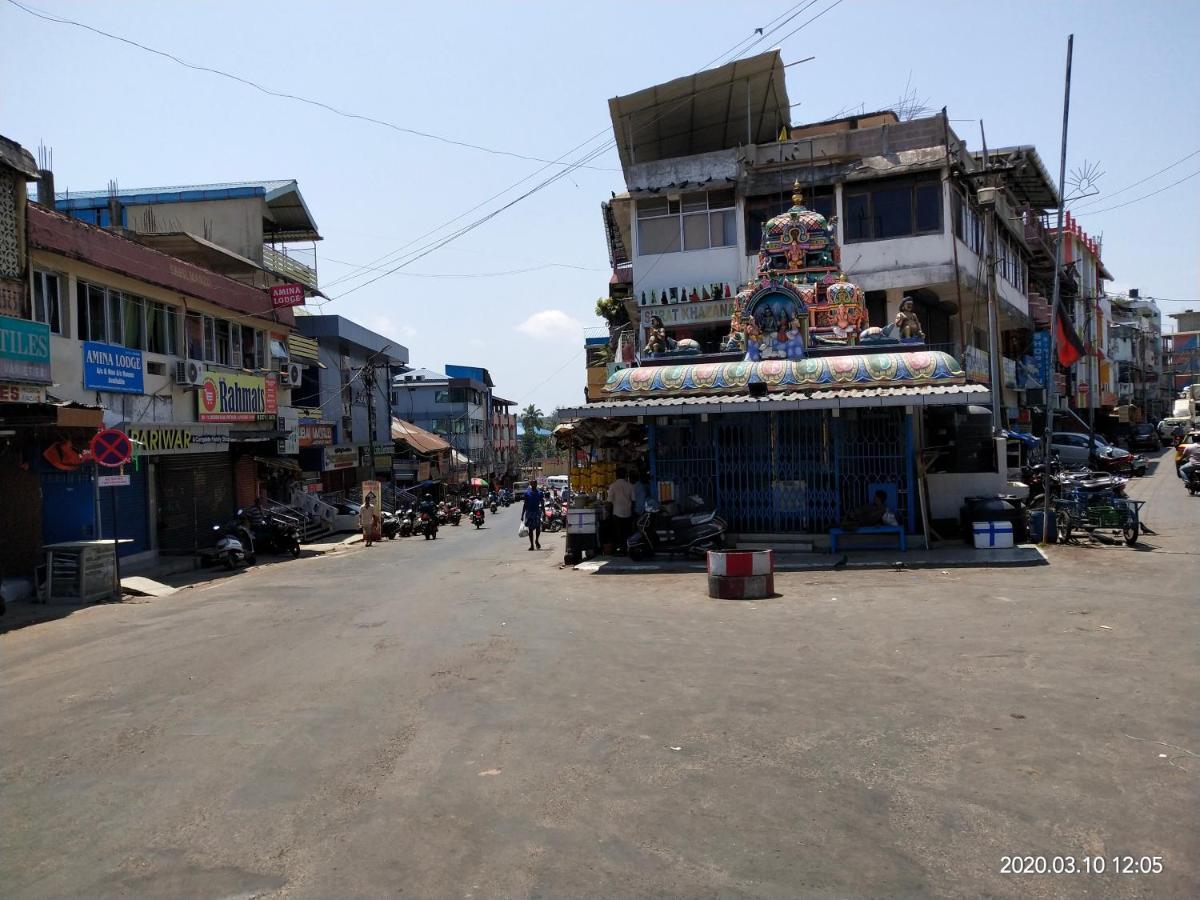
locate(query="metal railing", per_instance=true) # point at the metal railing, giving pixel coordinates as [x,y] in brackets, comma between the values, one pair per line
[282,264]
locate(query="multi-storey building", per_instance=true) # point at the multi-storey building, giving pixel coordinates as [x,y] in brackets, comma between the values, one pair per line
[1136,348]
[1181,351]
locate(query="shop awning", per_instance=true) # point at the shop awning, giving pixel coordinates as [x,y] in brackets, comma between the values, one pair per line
[845,398]
[278,462]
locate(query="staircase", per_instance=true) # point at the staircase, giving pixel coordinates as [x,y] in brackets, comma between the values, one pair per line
[316,516]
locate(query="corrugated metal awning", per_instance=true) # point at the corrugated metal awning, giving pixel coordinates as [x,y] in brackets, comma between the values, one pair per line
[847,398]
[301,347]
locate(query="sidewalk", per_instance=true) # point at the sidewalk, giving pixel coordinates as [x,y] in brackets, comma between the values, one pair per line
[947,557]
[142,584]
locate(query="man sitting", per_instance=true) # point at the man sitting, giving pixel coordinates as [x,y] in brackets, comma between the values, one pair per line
[874,513]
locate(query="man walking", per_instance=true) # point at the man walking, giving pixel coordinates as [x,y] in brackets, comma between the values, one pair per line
[531,514]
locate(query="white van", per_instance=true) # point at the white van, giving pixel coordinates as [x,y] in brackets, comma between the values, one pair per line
[557,482]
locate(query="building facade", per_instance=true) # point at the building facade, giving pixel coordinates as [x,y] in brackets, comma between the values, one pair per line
[1181,351]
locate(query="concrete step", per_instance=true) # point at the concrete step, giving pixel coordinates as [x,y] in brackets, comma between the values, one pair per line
[777,546]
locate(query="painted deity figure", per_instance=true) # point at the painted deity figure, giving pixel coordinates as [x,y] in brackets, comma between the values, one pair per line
[793,251]
[736,339]
[656,337]
[906,322]
[753,338]
[794,346]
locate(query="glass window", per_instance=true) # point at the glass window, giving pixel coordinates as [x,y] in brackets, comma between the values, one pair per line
[210,339]
[721,199]
[170,330]
[695,231]
[658,236]
[929,207]
[893,208]
[858,227]
[194,335]
[695,202]
[891,212]
[47,302]
[114,329]
[235,345]
[221,330]
[441,397]
[134,332]
[92,312]
[649,208]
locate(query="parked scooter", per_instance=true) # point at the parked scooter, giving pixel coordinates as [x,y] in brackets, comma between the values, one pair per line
[477,518]
[692,527]
[234,546]
[555,518]
[389,525]
[408,519]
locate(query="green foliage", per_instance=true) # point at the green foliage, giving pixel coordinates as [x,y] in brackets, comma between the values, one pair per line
[612,311]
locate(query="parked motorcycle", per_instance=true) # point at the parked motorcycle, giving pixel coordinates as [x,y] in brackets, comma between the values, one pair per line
[408,520]
[555,518]
[477,518]
[234,546]
[455,516]
[691,527]
[389,525]
[277,536]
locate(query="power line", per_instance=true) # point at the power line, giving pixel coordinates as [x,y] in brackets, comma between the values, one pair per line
[287,96]
[470,274]
[1089,212]
[1142,181]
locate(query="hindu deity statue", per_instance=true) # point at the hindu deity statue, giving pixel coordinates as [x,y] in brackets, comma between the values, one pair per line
[907,324]
[656,336]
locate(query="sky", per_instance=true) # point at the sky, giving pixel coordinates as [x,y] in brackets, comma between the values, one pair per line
[533,79]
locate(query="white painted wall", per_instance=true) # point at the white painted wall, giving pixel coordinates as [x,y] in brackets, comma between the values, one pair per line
[718,165]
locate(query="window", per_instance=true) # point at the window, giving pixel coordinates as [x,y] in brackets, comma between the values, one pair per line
[194,335]
[441,397]
[133,312]
[696,221]
[968,224]
[162,329]
[222,332]
[210,338]
[47,300]
[760,209]
[894,208]
[104,315]
[253,343]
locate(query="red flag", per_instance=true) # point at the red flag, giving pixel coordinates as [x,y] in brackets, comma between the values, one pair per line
[1066,339]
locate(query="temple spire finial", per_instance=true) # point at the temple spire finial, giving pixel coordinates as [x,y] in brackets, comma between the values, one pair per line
[797,196]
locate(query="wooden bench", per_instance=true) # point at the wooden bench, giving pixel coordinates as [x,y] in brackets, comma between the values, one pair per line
[898,530]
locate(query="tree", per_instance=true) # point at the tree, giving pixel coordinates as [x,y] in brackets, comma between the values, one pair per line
[531,442]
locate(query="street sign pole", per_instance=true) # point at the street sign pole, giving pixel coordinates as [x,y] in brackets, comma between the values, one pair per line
[112,497]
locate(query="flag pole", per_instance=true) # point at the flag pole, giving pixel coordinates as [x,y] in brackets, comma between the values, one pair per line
[1058,251]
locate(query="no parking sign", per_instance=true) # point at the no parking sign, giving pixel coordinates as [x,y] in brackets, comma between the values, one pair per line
[111,448]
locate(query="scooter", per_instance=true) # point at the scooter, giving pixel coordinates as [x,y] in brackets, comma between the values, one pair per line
[407,520]
[389,525]
[692,528]
[477,518]
[234,547]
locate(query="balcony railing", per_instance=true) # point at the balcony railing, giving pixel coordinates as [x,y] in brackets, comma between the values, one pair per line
[293,270]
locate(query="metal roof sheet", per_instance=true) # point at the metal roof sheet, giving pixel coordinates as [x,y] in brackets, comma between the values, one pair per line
[845,398]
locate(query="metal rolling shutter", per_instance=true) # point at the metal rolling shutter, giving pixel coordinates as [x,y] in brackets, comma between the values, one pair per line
[131,511]
[195,492]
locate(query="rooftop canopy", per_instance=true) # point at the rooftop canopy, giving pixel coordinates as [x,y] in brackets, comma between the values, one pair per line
[742,102]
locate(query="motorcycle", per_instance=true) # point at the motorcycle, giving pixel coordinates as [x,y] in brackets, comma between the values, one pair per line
[278,536]
[234,546]
[407,523]
[1036,476]
[429,525]
[477,518]
[443,514]
[455,516]
[692,528]
[390,525]
[555,519]
[1193,482]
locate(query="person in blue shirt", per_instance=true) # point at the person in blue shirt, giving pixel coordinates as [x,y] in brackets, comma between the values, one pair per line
[532,511]
[641,493]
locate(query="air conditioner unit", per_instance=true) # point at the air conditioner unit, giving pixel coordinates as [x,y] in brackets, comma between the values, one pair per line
[189,372]
[289,374]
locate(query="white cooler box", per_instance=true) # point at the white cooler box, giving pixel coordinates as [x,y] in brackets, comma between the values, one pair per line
[992,535]
[583,521]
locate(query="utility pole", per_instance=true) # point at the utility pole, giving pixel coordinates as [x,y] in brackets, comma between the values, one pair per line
[1058,249]
[1091,361]
[995,370]
[369,386]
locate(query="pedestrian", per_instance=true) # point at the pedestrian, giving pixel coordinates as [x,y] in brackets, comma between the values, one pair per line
[641,493]
[620,494]
[532,511]
[367,515]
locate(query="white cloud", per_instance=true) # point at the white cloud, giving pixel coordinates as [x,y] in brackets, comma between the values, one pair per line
[385,326]
[551,325]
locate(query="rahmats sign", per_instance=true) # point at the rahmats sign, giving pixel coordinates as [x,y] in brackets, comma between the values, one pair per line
[236,398]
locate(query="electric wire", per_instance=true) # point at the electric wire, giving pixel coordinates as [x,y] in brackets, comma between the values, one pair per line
[1109,196]
[1089,212]
[49,17]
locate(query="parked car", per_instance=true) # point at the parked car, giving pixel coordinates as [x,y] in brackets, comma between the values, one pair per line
[1166,428]
[1144,437]
[348,516]
[1072,450]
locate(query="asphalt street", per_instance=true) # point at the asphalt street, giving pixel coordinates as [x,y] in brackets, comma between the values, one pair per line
[463,718]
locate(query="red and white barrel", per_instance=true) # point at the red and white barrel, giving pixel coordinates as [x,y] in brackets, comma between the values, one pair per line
[741,574]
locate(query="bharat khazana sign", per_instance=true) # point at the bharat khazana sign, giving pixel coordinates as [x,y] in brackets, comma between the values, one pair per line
[109,368]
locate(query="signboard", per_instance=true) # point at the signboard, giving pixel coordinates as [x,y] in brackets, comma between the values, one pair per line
[976,365]
[383,462]
[24,351]
[423,472]
[316,434]
[288,446]
[109,368]
[22,393]
[1010,372]
[226,397]
[113,481]
[287,295]
[173,440]
[111,448]
[683,313]
[1041,355]
[340,458]
[372,523]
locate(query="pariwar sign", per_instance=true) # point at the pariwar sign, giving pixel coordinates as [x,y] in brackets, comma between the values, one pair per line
[372,514]
[24,351]
[175,440]
[109,368]
[226,397]
[283,295]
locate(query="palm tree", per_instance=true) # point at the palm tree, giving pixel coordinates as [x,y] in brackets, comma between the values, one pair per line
[531,421]
[531,418]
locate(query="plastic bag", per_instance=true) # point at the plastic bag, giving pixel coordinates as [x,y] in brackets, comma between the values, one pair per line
[523,531]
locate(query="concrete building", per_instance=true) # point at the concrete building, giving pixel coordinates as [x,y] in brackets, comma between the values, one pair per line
[344,406]
[1181,352]
[459,405]
[911,207]
[1136,347]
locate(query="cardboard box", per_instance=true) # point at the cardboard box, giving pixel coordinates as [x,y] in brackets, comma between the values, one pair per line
[992,535]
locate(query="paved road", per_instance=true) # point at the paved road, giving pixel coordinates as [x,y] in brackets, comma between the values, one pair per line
[462,718]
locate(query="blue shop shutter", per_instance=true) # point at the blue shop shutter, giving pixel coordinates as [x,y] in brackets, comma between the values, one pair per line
[68,511]
[131,511]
